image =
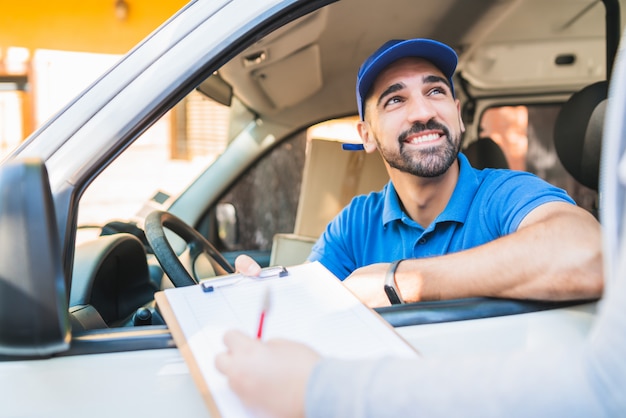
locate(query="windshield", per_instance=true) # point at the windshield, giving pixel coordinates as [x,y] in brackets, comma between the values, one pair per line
[160,164]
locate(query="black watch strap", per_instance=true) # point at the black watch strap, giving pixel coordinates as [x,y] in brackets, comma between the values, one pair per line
[391,288]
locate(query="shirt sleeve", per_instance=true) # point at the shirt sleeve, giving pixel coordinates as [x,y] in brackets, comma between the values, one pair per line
[550,384]
[583,381]
[512,195]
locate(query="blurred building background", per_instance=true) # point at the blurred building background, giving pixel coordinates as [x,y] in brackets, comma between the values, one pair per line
[50,50]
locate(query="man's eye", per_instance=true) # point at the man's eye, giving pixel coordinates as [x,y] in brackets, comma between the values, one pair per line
[437,90]
[393,100]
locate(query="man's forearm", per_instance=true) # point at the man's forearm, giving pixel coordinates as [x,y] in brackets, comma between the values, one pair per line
[556,256]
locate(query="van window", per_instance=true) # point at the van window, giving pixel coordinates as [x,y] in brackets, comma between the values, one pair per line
[525,135]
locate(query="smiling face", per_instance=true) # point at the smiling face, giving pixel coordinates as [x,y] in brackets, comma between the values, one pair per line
[413,119]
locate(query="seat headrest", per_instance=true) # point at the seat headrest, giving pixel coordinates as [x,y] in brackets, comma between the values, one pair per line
[485,153]
[578,133]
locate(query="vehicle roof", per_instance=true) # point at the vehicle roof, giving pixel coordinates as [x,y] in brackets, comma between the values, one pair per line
[305,72]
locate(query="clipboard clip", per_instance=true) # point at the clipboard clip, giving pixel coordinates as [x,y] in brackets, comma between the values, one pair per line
[209,286]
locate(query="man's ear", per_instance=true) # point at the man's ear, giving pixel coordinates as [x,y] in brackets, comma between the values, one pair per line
[369,144]
[458,108]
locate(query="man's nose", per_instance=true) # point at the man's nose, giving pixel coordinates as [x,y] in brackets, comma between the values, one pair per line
[420,109]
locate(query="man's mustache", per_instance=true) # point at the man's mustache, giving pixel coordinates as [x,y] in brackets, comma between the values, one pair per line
[417,128]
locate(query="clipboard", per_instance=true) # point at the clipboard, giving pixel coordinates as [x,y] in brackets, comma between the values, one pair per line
[181,343]
[309,305]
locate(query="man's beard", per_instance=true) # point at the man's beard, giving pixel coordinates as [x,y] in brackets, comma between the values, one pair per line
[426,162]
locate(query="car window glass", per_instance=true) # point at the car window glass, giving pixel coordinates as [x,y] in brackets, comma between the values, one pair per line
[265,198]
[158,165]
[525,135]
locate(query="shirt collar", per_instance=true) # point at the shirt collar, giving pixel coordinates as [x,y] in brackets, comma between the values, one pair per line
[457,208]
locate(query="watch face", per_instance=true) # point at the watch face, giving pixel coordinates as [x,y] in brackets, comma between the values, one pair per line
[392,295]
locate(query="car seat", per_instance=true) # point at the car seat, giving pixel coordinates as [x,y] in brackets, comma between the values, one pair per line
[578,133]
[485,153]
[331,178]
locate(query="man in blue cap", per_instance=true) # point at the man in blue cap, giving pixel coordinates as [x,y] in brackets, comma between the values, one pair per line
[441,229]
[283,378]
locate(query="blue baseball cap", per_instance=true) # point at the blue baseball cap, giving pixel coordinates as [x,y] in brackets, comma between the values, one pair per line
[441,55]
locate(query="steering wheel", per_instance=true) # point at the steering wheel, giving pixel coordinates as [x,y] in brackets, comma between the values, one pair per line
[155,225]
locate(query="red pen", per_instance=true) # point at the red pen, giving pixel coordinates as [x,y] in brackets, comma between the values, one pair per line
[264,310]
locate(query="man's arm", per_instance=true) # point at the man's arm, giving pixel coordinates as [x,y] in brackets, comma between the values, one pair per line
[554,255]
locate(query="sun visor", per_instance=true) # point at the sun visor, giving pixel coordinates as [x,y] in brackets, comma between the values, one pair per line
[279,84]
[555,65]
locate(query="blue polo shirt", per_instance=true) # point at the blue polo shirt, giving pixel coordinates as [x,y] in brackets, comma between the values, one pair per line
[486,204]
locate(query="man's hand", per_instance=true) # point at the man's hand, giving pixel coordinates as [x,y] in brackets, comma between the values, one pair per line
[367,283]
[245,264]
[268,377]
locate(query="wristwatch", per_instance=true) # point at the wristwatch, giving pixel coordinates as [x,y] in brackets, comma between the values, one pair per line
[391,288]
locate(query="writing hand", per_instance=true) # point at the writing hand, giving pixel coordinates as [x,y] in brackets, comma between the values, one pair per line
[269,377]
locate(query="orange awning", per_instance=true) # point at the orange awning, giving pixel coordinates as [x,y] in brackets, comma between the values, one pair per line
[103,26]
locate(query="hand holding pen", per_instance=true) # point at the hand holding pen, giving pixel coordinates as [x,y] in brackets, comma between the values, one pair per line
[263,374]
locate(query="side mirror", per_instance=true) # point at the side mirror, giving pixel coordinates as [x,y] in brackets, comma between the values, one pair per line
[34,316]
